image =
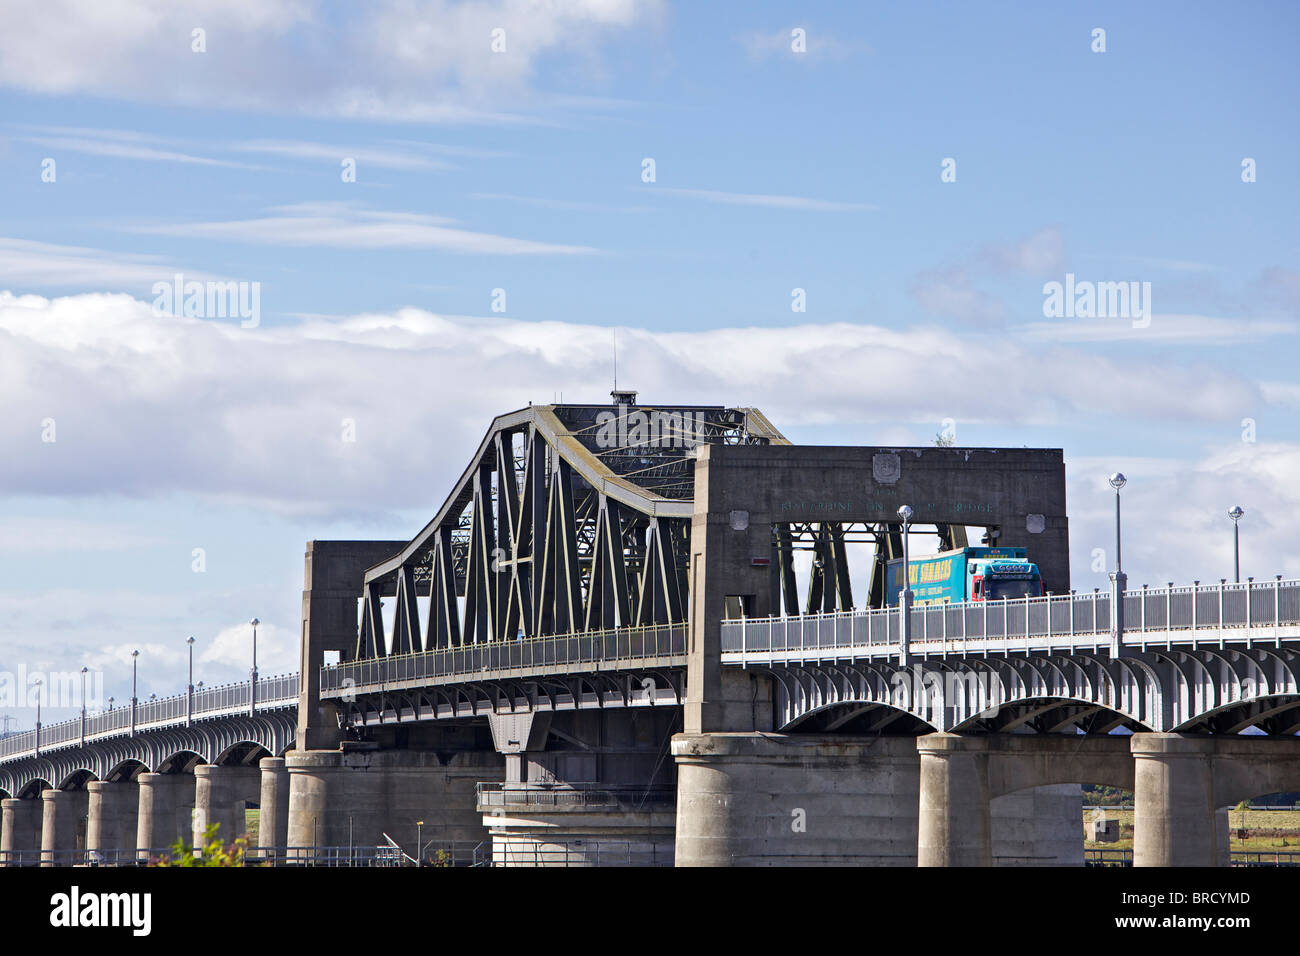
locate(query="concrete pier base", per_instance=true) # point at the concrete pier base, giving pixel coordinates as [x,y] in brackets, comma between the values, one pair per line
[578,827]
[20,832]
[756,799]
[165,812]
[113,809]
[273,821]
[63,825]
[220,796]
[348,798]
[1175,819]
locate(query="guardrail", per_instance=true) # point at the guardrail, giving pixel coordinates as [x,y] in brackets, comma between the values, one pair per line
[272,692]
[1063,619]
[592,650]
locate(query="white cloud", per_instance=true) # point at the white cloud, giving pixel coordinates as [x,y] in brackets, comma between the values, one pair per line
[232,648]
[417,60]
[768,201]
[149,404]
[30,533]
[343,225]
[1175,514]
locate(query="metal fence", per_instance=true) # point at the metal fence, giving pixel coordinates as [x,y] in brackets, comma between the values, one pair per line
[502,795]
[275,692]
[592,649]
[434,854]
[1062,618]
[577,853]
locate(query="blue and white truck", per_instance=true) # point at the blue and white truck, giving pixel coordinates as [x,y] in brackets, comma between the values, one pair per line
[965,574]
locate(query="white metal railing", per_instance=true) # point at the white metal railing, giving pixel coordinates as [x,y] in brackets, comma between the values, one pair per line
[612,646]
[272,692]
[1064,619]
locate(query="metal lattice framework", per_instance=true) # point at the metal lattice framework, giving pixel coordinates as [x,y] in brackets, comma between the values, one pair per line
[569,519]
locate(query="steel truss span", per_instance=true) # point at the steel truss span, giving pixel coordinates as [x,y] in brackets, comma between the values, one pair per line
[568,519]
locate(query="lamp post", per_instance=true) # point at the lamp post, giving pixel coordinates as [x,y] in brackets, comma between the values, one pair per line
[905,596]
[84,669]
[1118,578]
[419,843]
[135,658]
[38,716]
[189,687]
[252,694]
[1236,514]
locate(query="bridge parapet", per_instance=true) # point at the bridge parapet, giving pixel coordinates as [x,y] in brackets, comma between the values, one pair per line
[1221,616]
[617,649]
[229,700]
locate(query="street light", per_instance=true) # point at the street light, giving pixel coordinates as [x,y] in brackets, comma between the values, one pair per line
[1236,514]
[38,716]
[189,688]
[83,704]
[1117,481]
[905,597]
[419,843]
[252,694]
[135,658]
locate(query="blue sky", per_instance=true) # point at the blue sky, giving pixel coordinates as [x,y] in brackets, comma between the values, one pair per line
[521,170]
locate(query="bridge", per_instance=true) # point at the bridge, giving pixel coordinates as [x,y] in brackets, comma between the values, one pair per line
[600,639]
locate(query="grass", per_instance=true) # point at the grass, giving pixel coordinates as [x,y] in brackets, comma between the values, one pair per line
[1265,830]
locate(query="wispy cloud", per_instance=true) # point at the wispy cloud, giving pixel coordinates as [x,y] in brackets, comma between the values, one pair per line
[767,200]
[1165,329]
[121,144]
[26,264]
[364,155]
[343,225]
[574,204]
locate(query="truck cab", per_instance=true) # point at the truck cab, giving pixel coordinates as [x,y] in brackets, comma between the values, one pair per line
[999,578]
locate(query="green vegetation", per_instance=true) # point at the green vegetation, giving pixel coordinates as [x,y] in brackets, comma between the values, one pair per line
[212,853]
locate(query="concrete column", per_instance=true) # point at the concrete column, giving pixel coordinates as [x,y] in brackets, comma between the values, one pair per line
[113,808]
[339,798]
[273,821]
[62,825]
[1174,819]
[20,831]
[164,813]
[955,826]
[753,799]
[220,796]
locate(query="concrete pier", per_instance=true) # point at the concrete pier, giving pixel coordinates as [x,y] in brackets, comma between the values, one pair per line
[63,825]
[955,821]
[273,821]
[20,831]
[165,810]
[111,827]
[341,798]
[220,796]
[753,799]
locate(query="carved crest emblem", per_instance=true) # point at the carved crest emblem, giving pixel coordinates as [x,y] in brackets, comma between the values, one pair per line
[886,468]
